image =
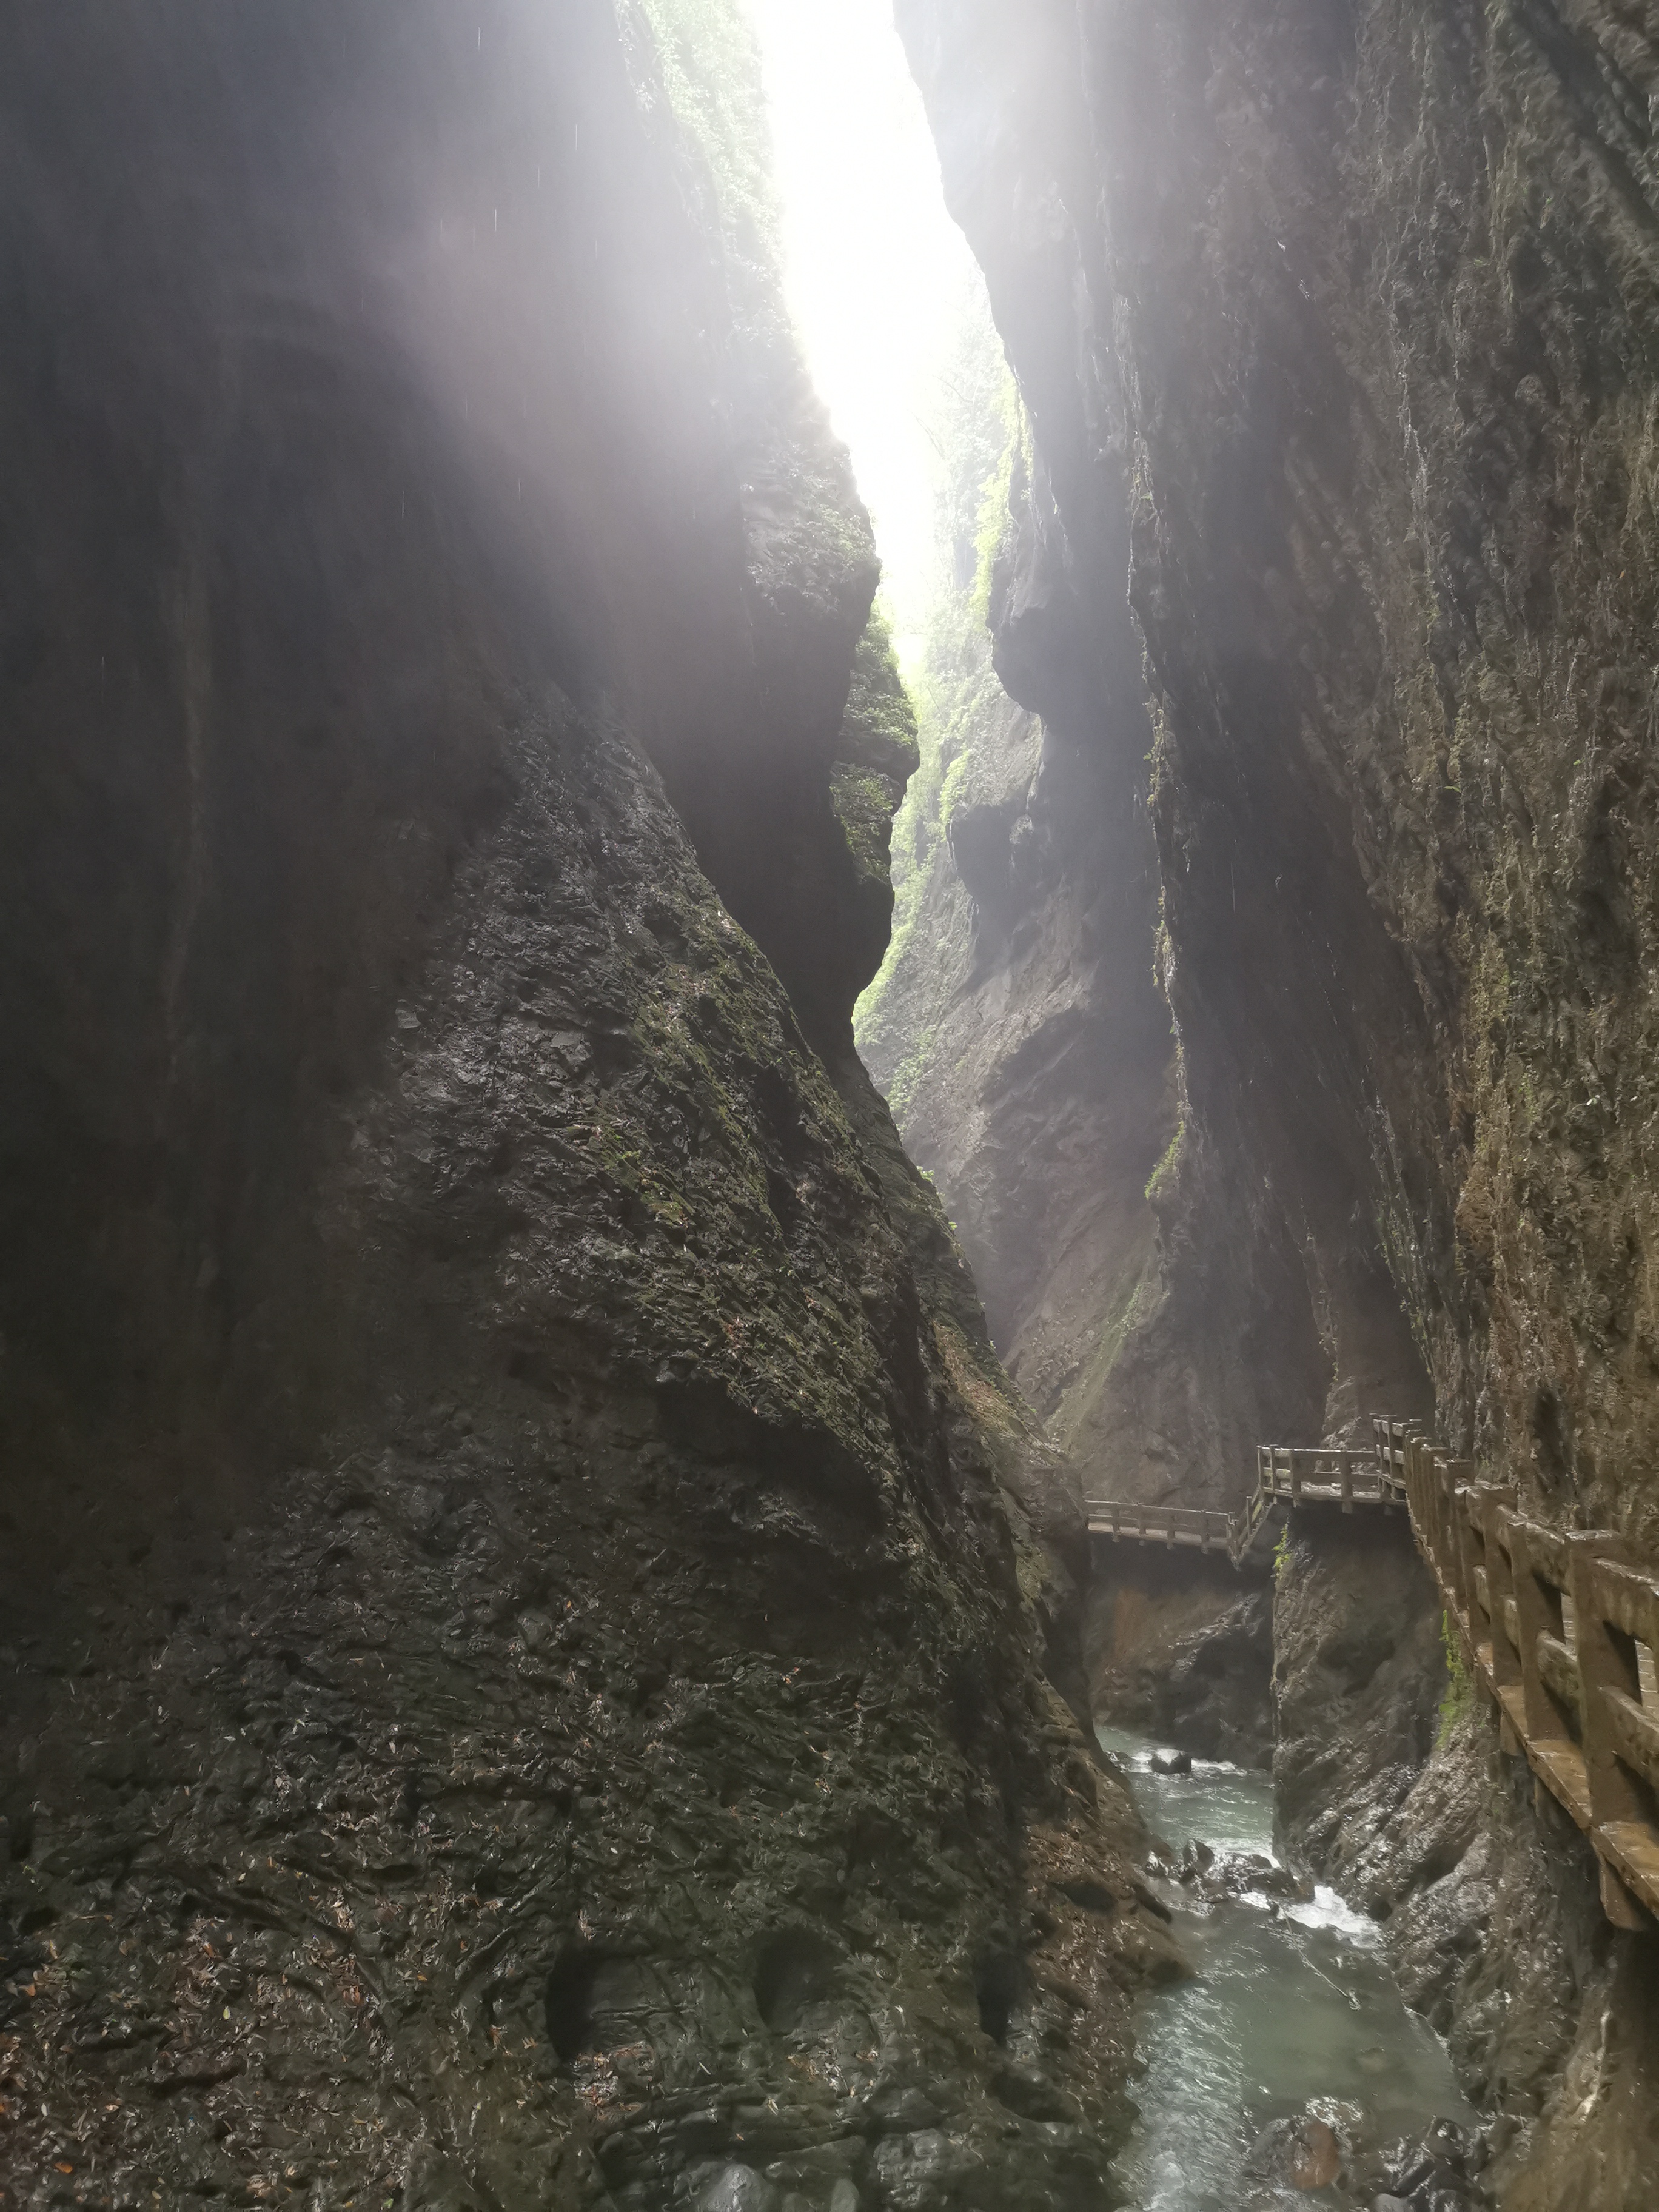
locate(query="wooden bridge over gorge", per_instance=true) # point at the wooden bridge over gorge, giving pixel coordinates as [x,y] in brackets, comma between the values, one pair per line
[1559,1628]
[1285,1476]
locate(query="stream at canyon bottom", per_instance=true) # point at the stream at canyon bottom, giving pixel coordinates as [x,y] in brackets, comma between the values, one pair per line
[1291,2003]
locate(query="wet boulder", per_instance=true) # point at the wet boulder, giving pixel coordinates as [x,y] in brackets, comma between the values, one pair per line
[738,2189]
[1430,2173]
[1240,1874]
[1425,2168]
[1196,1860]
[1302,2152]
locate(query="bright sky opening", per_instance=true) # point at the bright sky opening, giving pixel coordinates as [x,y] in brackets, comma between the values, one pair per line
[878,276]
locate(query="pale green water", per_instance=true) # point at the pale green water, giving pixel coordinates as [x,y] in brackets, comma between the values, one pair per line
[1285,2006]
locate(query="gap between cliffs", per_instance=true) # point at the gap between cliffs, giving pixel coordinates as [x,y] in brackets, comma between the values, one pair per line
[1266,947]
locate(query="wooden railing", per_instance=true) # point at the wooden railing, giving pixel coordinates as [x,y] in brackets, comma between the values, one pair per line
[1559,1630]
[1187,1525]
[1294,1475]
[1285,1475]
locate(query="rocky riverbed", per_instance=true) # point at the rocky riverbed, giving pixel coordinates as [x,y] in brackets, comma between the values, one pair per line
[1287,2070]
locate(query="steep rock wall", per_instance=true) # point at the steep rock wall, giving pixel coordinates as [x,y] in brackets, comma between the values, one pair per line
[1364,307]
[1182,1651]
[524,1672]
[1495,1930]
[1017,1027]
[1359,305]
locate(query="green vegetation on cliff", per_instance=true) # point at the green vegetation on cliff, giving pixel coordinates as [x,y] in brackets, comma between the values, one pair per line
[997,494]
[711,76]
[879,730]
[980,430]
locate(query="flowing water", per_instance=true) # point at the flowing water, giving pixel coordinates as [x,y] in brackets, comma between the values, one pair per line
[1291,2003]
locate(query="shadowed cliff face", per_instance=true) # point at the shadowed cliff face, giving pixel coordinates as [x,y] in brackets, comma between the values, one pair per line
[524,1679]
[1363,307]
[1359,306]
[1163,1307]
[1017,1026]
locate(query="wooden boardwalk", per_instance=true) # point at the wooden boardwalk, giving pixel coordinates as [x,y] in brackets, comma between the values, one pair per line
[1559,1628]
[1285,1476]
[1170,1525]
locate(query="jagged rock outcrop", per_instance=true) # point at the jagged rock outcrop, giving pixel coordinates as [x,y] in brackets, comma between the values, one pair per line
[1388,1783]
[1360,306]
[1017,1026]
[522,1665]
[1358,1680]
[1495,1931]
[1183,1651]
[1375,342]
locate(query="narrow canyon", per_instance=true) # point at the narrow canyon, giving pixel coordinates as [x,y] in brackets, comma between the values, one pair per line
[829,1372]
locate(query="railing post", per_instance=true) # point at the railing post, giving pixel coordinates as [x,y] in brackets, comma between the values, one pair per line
[1603,1667]
[1420,1484]
[1417,1503]
[1347,1482]
[1444,1557]
[1500,1596]
[1417,1498]
[1461,1561]
[1295,1477]
[1460,1475]
[1533,1618]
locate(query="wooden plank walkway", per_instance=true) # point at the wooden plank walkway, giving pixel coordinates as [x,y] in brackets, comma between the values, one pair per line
[1170,1525]
[1285,1475]
[1559,1628]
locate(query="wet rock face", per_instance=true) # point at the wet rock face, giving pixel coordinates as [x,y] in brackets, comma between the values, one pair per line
[520,1681]
[1361,303]
[1495,1932]
[1166,1349]
[1032,1049]
[1358,1678]
[1017,1026]
[1182,1653]
[1382,385]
